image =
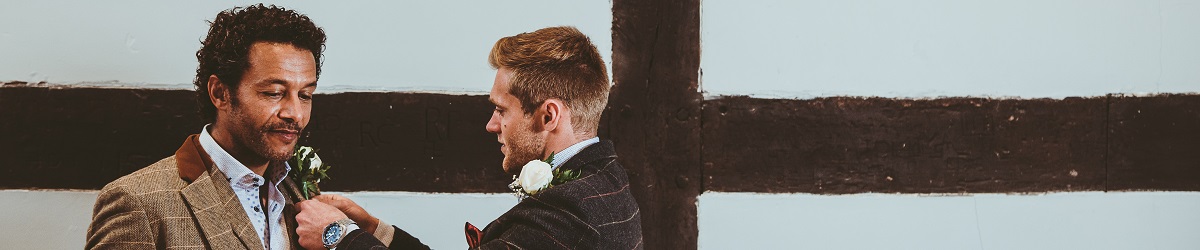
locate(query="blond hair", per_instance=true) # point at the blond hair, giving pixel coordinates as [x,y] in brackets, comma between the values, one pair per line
[555,62]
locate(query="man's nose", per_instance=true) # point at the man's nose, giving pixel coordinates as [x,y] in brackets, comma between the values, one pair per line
[493,125]
[291,108]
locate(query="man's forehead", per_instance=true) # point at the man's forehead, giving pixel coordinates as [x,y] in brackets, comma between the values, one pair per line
[285,83]
[496,98]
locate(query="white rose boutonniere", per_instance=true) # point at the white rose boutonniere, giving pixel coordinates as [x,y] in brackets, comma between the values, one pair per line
[308,170]
[535,176]
[538,175]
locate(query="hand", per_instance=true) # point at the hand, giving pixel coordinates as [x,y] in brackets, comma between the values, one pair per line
[356,213]
[311,222]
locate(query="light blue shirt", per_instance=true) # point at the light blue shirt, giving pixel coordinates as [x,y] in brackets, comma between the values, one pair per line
[245,184]
[566,154]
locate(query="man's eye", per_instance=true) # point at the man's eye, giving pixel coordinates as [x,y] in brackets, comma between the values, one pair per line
[273,94]
[306,97]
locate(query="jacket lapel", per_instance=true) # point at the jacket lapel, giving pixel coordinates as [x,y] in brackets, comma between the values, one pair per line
[213,203]
[289,215]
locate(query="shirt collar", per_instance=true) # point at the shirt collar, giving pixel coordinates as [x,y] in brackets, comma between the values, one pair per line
[566,154]
[237,173]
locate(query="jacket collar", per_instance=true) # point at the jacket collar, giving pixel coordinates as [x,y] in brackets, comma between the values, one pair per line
[597,151]
[191,159]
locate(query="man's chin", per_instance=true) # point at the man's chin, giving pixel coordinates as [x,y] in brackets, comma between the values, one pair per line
[280,153]
[510,169]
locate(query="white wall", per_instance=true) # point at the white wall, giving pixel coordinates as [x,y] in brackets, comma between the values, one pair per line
[372,45]
[1090,220]
[931,48]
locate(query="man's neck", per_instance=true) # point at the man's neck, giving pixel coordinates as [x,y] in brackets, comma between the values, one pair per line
[224,138]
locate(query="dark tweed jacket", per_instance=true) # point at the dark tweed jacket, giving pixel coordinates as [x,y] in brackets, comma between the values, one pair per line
[596,211]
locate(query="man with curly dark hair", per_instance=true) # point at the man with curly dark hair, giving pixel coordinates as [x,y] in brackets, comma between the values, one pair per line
[259,66]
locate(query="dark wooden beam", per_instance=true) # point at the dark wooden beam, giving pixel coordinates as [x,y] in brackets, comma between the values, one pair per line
[856,145]
[1154,143]
[654,114]
[408,142]
[85,138]
[82,138]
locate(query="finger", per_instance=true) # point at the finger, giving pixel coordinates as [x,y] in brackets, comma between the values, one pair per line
[314,206]
[303,205]
[325,197]
[329,198]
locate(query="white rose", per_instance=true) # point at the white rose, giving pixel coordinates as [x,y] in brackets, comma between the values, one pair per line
[304,151]
[535,176]
[316,162]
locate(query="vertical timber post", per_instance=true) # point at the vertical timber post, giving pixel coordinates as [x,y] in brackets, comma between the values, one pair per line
[653,114]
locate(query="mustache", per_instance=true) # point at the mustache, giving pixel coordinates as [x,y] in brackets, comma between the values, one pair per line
[293,126]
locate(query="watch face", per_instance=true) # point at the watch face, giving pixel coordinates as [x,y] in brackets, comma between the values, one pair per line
[332,233]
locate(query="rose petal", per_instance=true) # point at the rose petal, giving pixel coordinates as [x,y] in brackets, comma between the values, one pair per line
[535,176]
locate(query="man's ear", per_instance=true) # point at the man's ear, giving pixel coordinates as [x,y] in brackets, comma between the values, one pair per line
[549,115]
[218,92]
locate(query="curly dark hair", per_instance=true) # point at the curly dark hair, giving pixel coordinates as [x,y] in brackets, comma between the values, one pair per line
[225,51]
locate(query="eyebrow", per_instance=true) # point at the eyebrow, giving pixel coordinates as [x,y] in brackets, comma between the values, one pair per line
[274,81]
[277,81]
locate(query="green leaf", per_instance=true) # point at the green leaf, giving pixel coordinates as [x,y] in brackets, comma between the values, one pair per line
[563,176]
[303,175]
[550,158]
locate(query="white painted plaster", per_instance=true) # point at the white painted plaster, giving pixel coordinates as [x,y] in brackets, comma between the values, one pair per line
[1081,220]
[932,48]
[372,46]
[45,219]
[435,218]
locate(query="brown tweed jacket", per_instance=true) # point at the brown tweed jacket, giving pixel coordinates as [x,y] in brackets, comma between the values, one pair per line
[181,202]
[596,211]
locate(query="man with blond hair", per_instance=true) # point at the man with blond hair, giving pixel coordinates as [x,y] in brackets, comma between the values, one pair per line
[550,89]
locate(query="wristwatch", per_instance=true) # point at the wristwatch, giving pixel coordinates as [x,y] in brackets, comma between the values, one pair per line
[335,231]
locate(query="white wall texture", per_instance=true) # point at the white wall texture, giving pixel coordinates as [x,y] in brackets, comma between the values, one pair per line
[1087,220]
[765,48]
[372,45]
[931,48]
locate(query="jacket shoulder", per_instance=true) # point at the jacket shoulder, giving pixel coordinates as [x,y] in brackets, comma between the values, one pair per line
[603,201]
[132,208]
[158,176]
[596,195]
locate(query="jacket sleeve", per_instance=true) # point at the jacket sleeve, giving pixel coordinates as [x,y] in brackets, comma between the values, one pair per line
[118,222]
[543,222]
[401,240]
